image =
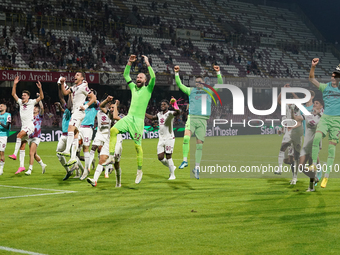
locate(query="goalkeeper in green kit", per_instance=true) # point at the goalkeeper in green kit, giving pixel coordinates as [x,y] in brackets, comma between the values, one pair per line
[198,116]
[329,122]
[134,121]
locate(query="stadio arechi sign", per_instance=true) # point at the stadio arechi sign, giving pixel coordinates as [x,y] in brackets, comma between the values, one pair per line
[45,76]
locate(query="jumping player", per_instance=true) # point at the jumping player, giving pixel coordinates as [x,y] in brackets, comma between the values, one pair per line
[26,114]
[79,92]
[330,120]
[166,141]
[134,121]
[104,153]
[34,139]
[306,152]
[65,109]
[86,131]
[197,120]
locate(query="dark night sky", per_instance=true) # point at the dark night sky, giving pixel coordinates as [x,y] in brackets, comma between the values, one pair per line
[324,14]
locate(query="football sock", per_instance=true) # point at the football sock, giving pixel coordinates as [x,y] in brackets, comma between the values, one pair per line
[74,149]
[186,147]
[70,138]
[92,152]
[171,164]
[17,146]
[280,159]
[113,140]
[22,158]
[316,147]
[62,161]
[331,156]
[139,151]
[98,171]
[87,159]
[165,162]
[198,154]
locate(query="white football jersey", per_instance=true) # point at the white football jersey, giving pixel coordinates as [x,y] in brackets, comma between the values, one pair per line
[26,111]
[289,115]
[166,122]
[80,93]
[104,122]
[312,120]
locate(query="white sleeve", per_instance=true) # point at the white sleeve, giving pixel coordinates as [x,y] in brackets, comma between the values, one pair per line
[19,101]
[86,90]
[9,118]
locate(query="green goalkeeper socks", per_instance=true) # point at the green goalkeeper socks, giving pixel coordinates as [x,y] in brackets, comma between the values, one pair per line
[139,151]
[316,146]
[113,140]
[186,146]
[331,156]
[198,155]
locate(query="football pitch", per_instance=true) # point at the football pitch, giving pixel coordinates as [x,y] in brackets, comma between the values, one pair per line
[41,214]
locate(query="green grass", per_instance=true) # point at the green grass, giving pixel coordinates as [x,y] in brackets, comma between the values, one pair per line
[157,216]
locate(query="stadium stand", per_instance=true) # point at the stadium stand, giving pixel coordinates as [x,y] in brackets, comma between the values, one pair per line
[244,39]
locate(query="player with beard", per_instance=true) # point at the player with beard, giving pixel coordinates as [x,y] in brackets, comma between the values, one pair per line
[134,121]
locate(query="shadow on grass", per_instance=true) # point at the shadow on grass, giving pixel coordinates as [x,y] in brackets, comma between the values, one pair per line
[282,181]
[178,184]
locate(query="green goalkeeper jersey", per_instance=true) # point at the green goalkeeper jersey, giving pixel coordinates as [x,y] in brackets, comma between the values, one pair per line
[199,99]
[140,97]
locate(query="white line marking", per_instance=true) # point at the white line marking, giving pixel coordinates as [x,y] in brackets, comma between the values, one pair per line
[56,192]
[19,251]
[19,187]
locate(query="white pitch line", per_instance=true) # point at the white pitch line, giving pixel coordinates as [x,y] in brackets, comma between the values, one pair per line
[44,194]
[19,187]
[57,192]
[19,251]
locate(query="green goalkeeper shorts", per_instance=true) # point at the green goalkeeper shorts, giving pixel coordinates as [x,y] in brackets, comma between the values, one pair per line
[330,124]
[134,126]
[197,125]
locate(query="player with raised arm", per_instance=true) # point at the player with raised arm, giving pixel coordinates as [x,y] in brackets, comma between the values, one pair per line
[108,117]
[86,131]
[103,130]
[34,139]
[330,120]
[306,152]
[166,141]
[291,141]
[288,156]
[79,92]
[119,147]
[26,114]
[134,121]
[5,126]
[197,120]
[66,108]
